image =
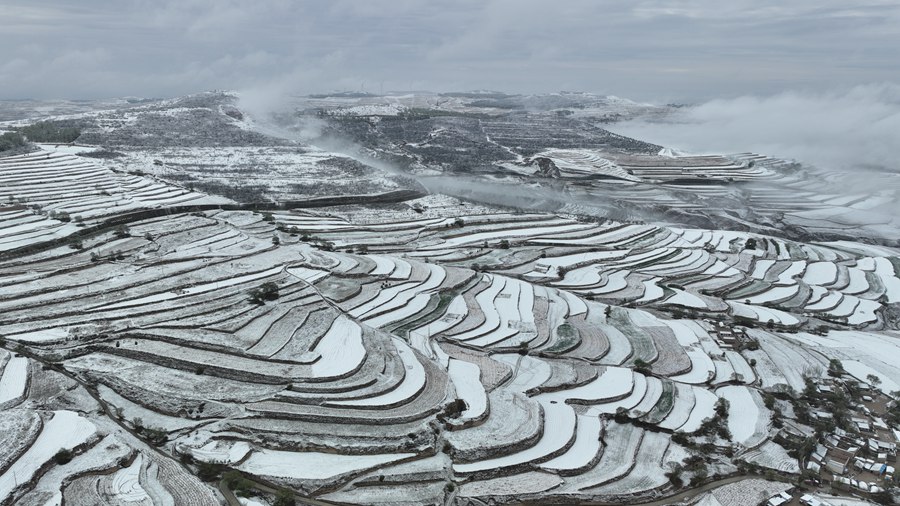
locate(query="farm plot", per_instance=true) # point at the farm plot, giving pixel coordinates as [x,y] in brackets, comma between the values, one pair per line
[584,451]
[703,408]
[638,392]
[19,429]
[64,430]
[773,456]
[612,384]
[649,468]
[748,419]
[314,365]
[59,481]
[794,362]
[560,416]
[313,466]
[341,350]
[507,306]
[125,484]
[413,382]
[465,377]
[622,442]
[515,421]
[682,407]
[14,380]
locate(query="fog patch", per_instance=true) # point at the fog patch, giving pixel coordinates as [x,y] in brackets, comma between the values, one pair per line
[854,128]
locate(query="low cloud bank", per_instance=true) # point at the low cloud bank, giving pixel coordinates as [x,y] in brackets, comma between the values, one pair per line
[854,128]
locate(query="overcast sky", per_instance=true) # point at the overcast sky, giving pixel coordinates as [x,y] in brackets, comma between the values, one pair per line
[650,50]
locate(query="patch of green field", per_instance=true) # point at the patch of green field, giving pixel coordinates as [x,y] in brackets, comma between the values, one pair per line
[663,405]
[568,338]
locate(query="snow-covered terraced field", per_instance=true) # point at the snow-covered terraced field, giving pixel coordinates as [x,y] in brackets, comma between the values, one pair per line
[496,350]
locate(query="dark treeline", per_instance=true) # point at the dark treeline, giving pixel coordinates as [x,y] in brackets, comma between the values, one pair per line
[11,140]
[49,131]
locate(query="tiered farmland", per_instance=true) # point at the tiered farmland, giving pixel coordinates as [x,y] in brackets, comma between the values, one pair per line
[417,354]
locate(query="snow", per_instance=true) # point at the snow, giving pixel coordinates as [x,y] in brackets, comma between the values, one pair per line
[681,408]
[585,449]
[67,149]
[514,307]
[863,249]
[864,312]
[651,396]
[14,380]
[885,271]
[383,266]
[763,314]
[465,377]
[413,381]
[761,267]
[827,302]
[370,110]
[861,371]
[408,302]
[130,411]
[724,371]
[816,294]
[701,367]
[532,482]
[496,235]
[560,422]
[402,269]
[457,311]
[586,162]
[744,414]
[307,274]
[384,297]
[592,257]
[772,294]
[742,492]
[634,398]
[55,500]
[858,283]
[704,405]
[192,290]
[485,301]
[648,471]
[250,502]
[683,333]
[787,276]
[576,305]
[126,482]
[224,452]
[528,371]
[615,281]
[740,365]
[582,276]
[613,383]
[652,291]
[341,349]
[313,465]
[41,336]
[866,263]
[773,456]
[65,430]
[686,299]
[622,443]
[834,500]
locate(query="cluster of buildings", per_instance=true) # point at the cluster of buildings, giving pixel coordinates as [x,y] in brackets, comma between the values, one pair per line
[861,461]
[727,336]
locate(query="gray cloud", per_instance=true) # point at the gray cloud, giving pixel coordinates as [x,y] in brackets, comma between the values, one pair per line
[845,129]
[647,49]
